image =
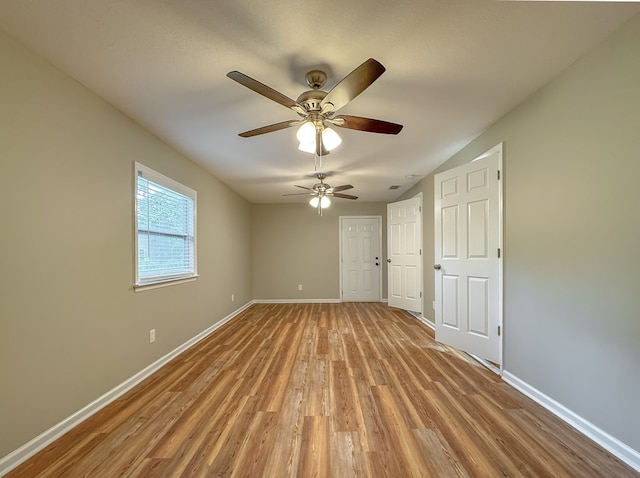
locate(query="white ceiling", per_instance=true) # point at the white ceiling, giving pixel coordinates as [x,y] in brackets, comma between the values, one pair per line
[453,68]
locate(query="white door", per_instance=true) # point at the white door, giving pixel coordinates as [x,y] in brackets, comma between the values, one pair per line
[468,268]
[361,258]
[404,257]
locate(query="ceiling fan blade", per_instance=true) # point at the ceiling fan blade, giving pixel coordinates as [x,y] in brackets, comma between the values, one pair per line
[299,194]
[344,187]
[343,196]
[266,129]
[353,84]
[367,124]
[262,89]
[303,187]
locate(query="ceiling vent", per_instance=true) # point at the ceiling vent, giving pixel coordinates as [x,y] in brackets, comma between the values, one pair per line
[395,186]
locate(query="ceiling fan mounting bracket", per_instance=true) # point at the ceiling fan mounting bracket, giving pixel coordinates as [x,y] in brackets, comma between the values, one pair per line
[316,79]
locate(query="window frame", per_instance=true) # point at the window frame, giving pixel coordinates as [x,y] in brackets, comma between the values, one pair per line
[140,284]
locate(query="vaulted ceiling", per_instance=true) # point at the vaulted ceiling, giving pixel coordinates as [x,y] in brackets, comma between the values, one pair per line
[453,67]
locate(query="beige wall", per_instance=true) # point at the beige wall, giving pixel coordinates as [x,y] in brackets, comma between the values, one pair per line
[293,245]
[571,169]
[71,328]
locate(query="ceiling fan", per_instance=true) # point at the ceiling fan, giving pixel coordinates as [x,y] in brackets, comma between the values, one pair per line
[317,108]
[321,192]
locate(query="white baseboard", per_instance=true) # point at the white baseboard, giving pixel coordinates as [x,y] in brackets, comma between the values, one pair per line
[297,301]
[622,451]
[423,319]
[427,322]
[26,451]
[301,301]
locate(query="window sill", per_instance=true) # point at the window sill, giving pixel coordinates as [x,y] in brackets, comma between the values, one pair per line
[164,283]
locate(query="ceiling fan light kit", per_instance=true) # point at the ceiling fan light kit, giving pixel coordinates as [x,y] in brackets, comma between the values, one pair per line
[307,147]
[317,110]
[330,139]
[306,133]
[323,202]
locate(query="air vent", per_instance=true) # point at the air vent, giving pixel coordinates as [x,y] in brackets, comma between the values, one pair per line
[395,186]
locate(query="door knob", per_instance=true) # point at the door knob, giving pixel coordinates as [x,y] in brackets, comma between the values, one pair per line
[437,267]
[389,260]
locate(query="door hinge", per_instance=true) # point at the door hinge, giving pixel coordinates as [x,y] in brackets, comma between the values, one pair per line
[420,294]
[419,208]
[498,331]
[420,251]
[498,175]
[498,253]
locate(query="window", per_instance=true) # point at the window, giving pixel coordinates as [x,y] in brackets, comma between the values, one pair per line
[165,224]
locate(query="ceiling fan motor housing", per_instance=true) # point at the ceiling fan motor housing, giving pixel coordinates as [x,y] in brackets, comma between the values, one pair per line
[311,100]
[321,187]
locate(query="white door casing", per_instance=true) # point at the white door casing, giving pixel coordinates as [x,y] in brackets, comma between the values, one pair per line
[468,264]
[404,256]
[361,258]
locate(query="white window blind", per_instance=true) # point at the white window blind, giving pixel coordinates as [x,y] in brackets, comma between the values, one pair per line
[165,228]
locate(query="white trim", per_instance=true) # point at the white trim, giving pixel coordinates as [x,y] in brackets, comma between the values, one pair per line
[621,450]
[422,254]
[427,322]
[422,319]
[485,363]
[499,148]
[164,283]
[297,301]
[26,451]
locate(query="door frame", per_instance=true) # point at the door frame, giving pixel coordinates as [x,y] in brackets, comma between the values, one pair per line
[340,221]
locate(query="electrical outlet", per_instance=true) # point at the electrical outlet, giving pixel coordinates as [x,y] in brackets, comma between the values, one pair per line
[233,297]
[152,336]
[299,286]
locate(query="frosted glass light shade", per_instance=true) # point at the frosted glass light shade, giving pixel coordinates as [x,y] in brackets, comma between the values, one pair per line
[330,139]
[308,147]
[307,133]
[325,202]
[307,136]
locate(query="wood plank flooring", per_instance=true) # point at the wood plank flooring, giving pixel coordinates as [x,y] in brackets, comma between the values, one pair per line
[323,390]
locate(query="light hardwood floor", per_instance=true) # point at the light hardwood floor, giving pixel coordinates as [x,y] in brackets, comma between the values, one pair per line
[323,390]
